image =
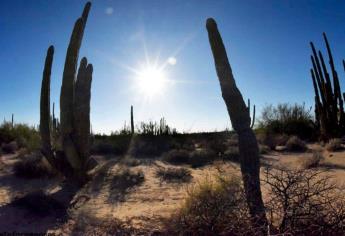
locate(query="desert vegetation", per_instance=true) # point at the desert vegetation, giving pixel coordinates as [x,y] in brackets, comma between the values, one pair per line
[280,173]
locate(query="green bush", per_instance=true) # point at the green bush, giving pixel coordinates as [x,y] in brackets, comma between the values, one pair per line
[288,119]
[176,157]
[202,157]
[25,136]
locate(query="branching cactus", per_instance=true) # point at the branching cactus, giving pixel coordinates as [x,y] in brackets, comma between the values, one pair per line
[75,99]
[329,100]
[240,118]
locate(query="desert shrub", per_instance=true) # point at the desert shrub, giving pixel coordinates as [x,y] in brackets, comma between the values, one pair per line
[174,175]
[334,145]
[33,166]
[212,208]
[10,147]
[150,146]
[304,202]
[217,145]
[176,157]
[40,204]
[313,161]
[294,144]
[287,119]
[232,154]
[264,149]
[113,144]
[202,157]
[272,140]
[24,135]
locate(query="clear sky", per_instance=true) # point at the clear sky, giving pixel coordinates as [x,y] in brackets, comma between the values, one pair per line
[267,43]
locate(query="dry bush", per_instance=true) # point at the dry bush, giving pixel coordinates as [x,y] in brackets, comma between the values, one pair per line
[272,140]
[264,149]
[176,156]
[304,202]
[334,145]
[295,144]
[10,147]
[174,175]
[202,157]
[232,154]
[33,166]
[313,161]
[212,208]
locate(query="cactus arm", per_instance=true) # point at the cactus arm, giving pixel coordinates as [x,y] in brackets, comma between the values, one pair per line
[82,109]
[67,88]
[240,119]
[45,108]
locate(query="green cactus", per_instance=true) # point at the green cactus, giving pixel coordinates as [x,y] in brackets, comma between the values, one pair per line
[75,99]
[240,119]
[329,100]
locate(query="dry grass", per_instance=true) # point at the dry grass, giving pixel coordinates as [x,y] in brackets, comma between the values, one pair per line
[212,207]
[174,175]
[334,145]
[313,161]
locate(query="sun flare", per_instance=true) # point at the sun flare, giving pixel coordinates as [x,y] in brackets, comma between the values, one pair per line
[151,81]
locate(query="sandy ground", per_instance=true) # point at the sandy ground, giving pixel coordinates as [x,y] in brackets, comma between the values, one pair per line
[143,203]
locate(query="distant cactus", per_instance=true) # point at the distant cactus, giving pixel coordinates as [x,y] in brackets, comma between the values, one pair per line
[240,119]
[329,101]
[74,108]
[132,121]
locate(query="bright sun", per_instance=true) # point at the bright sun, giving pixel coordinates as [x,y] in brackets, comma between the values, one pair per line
[151,81]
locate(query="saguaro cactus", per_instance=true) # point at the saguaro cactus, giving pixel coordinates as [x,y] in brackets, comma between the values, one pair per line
[74,108]
[240,119]
[329,100]
[132,121]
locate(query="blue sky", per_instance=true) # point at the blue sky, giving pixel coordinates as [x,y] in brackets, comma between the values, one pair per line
[267,43]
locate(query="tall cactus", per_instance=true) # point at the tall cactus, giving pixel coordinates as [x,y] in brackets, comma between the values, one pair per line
[74,107]
[240,119]
[132,121]
[45,108]
[329,100]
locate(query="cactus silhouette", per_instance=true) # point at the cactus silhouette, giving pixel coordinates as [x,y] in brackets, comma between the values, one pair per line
[132,121]
[240,119]
[75,99]
[329,101]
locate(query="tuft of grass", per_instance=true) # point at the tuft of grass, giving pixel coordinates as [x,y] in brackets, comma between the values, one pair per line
[313,161]
[174,175]
[334,145]
[211,208]
[32,166]
[295,144]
